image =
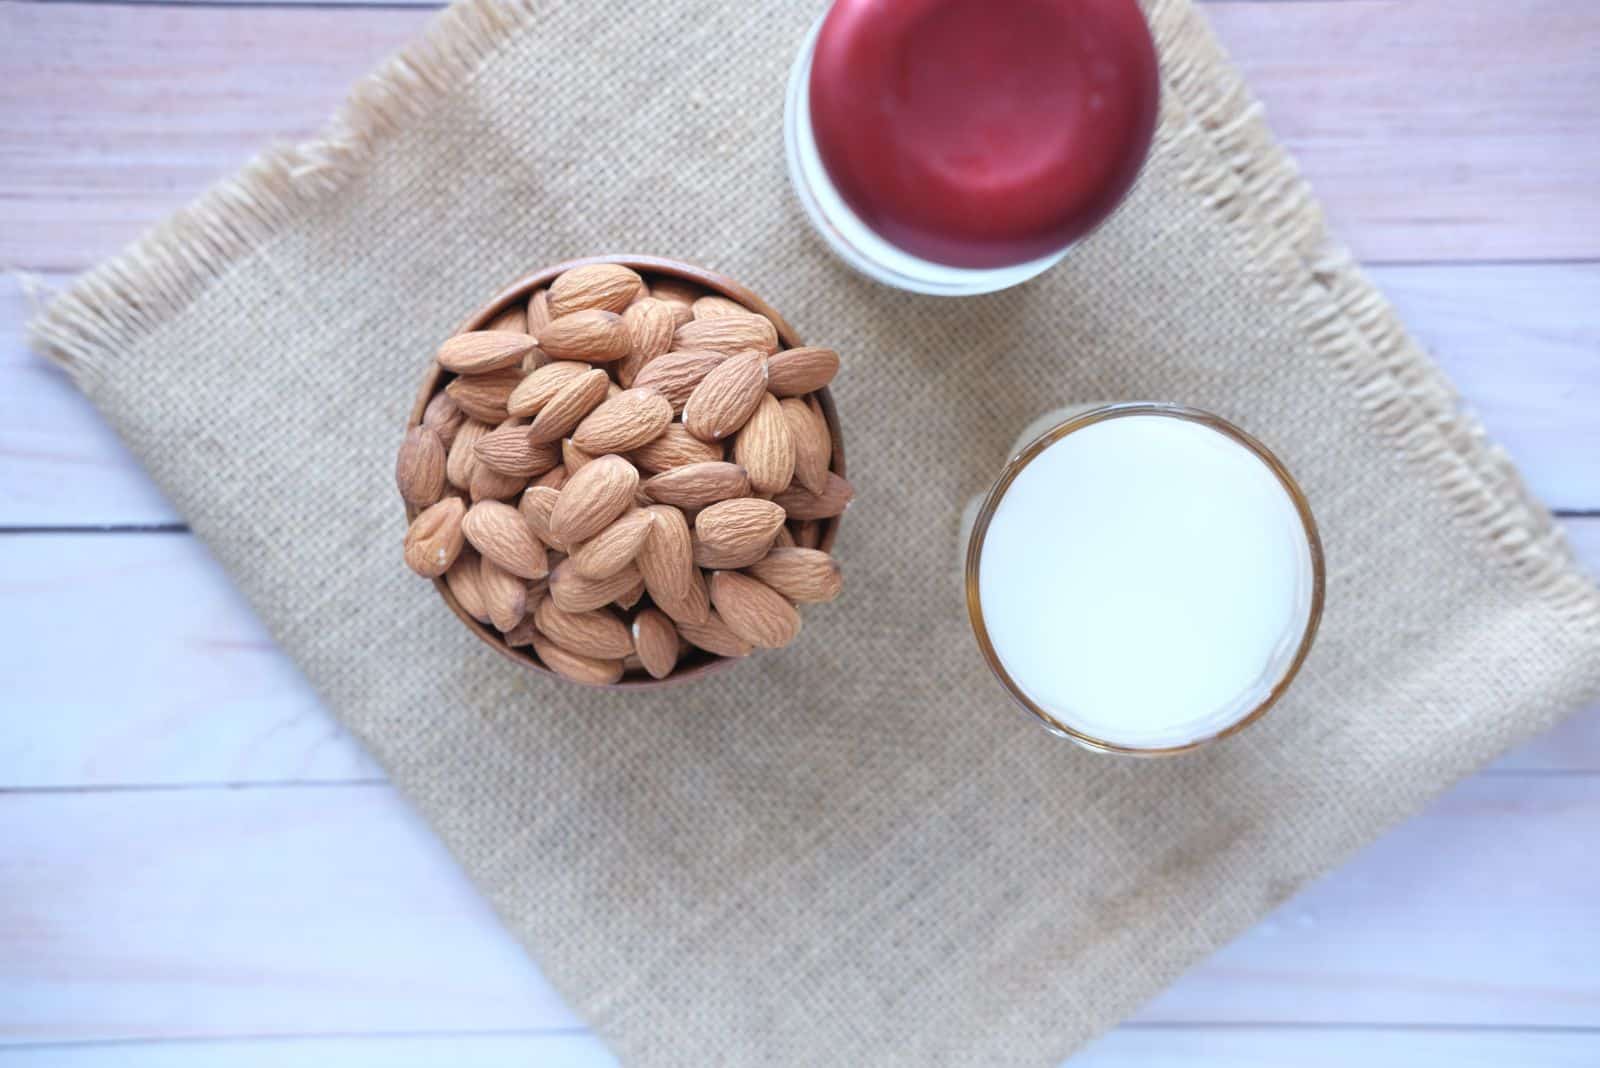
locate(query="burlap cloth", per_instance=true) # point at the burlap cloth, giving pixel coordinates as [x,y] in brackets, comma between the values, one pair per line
[853,851]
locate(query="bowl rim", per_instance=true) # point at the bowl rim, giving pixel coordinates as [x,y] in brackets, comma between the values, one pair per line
[433,381]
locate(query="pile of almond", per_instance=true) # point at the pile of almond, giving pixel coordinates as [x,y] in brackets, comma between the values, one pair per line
[624,470]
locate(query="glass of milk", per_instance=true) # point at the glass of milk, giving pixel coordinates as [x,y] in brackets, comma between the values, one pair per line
[1144,578]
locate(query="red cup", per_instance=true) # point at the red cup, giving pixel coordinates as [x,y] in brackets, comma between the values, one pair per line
[960,146]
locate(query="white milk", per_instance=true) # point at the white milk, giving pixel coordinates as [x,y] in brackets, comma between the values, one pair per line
[1146,580]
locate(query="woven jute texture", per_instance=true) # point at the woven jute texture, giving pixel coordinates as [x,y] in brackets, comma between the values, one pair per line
[852,851]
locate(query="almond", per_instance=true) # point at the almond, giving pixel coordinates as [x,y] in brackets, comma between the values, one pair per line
[574,593]
[766,448]
[608,286]
[813,444]
[538,314]
[714,636]
[615,547]
[513,320]
[505,596]
[801,503]
[541,386]
[577,668]
[463,578]
[612,390]
[632,418]
[573,458]
[444,417]
[536,505]
[676,447]
[753,610]
[676,374]
[697,605]
[712,305]
[556,477]
[737,533]
[729,333]
[479,351]
[567,408]
[522,633]
[651,324]
[785,538]
[666,562]
[598,633]
[434,540]
[808,534]
[798,371]
[463,457]
[655,640]
[509,451]
[491,485]
[727,396]
[631,596]
[484,396]
[419,469]
[593,335]
[538,311]
[806,576]
[593,498]
[697,485]
[676,291]
[502,536]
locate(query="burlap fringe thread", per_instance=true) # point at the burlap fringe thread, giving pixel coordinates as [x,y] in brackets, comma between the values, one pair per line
[1411,403]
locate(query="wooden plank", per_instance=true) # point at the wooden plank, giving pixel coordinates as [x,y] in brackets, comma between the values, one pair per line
[1520,341]
[1435,129]
[112,117]
[209,913]
[1192,1047]
[1400,934]
[1432,129]
[331,911]
[191,689]
[184,689]
[60,464]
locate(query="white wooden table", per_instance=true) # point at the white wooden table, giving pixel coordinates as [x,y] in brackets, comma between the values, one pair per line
[197,865]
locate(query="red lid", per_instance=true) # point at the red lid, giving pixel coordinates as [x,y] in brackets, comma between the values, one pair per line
[983,133]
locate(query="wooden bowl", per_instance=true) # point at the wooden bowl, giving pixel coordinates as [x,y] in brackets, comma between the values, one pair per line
[697,663]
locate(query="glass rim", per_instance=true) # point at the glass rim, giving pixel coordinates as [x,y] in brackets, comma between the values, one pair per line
[1101,413]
